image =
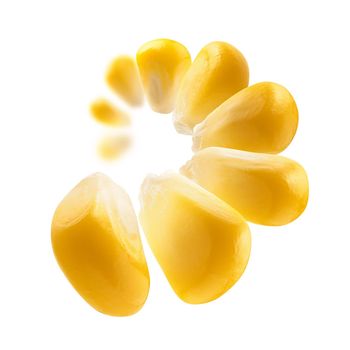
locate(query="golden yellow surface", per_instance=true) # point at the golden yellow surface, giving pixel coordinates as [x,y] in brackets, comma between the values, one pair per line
[106,113]
[96,242]
[162,64]
[266,189]
[261,118]
[123,78]
[111,147]
[200,242]
[218,72]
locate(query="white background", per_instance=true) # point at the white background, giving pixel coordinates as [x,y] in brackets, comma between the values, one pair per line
[295,293]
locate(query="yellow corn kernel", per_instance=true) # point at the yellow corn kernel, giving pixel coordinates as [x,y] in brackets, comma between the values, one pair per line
[261,118]
[123,78]
[200,242]
[107,113]
[266,189]
[96,242]
[218,72]
[162,65]
[110,147]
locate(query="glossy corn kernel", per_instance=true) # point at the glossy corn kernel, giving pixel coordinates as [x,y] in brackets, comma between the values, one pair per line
[162,64]
[123,78]
[218,72]
[261,118]
[111,147]
[106,113]
[96,242]
[266,189]
[200,242]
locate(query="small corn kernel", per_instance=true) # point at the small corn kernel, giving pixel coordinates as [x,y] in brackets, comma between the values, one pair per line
[200,242]
[266,189]
[111,147]
[218,72]
[106,113]
[162,65]
[123,78]
[261,118]
[96,242]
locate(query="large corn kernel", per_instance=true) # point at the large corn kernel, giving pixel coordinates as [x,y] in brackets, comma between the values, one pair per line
[261,118]
[218,72]
[162,65]
[266,189]
[96,242]
[107,113]
[123,78]
[200,242]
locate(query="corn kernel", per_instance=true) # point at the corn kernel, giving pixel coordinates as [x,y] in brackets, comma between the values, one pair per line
[200,242]
[218,72]
[261,118]
[106,113]
[162,64]
[111,147]
[266,189]
[96,242]
[123,78]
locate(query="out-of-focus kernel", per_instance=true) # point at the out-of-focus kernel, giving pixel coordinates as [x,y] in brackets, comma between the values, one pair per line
[106,113]
[112,146]
[123,78]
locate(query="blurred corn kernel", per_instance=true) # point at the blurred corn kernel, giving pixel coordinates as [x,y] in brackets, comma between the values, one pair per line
[107,113]
[112,146]
[122,77]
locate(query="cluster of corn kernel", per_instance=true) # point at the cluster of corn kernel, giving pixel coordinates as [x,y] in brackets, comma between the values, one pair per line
[194,222]
[123,78]
[111,145]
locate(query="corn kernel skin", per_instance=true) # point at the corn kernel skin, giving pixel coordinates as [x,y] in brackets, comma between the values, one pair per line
[218,72]
[96,243]
[266,189]
[200,242]
[162,64]
[260,118]
[123,78]
[106,113]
